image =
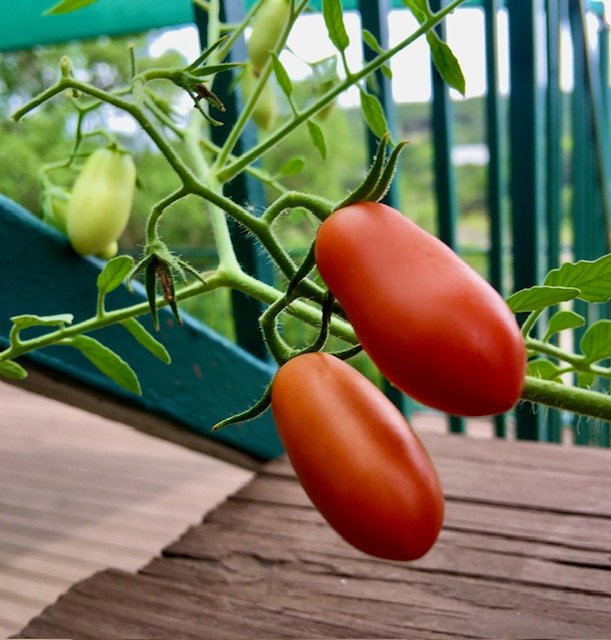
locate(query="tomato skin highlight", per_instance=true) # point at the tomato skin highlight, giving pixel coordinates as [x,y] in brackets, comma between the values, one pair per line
[434,327]
[356,457]
[101,201]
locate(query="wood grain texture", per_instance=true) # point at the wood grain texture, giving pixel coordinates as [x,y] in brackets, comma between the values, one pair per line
[79,494]
[524,553]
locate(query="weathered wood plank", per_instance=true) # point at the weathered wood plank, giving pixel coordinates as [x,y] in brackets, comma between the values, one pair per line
[528,475]
[54,534]
[511,562]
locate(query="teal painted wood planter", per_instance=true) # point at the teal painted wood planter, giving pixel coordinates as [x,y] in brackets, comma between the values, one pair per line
[209,377]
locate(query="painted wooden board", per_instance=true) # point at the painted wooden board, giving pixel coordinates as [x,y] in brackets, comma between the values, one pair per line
[209,378]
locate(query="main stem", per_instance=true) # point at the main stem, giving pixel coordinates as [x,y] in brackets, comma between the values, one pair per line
[573,399]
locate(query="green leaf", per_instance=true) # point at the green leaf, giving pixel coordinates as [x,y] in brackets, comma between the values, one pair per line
[585,379]
[24,321]
[108,362]
[292,167]
[13,371]
[596,341]
[147,340]
[443,58]
[540,297]
[370,40]
[420,9]
[113,273]
[318,139]
[282,76]
[66,6]
[216,68]
[592,277]
[333,15]
[446,63]
[542,368]
[561,321]
[374,114]
[207,53]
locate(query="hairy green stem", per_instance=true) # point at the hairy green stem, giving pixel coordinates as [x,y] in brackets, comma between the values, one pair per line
[573,399]
[578,362]
[214,280]
[243,117]
[320,207]
[234,168]
[158,209]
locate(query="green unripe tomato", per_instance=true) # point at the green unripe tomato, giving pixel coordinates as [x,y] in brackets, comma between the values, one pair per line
[110,251]
[265,111]
[101,201]
[266,30]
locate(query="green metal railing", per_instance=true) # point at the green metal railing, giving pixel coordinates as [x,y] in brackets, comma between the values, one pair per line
[525,134]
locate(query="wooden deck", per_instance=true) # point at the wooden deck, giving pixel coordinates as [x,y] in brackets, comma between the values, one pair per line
[525,553]
[79,494]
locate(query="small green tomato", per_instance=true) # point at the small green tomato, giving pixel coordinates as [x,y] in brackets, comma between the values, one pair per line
[266,30]
[101,201]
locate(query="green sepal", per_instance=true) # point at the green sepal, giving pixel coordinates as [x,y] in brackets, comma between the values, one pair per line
[304,269]
[362,192]
[150,284]
[206,54]
[388,173]
[260,406]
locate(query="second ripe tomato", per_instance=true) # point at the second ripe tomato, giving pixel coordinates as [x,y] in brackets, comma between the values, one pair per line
[356,457]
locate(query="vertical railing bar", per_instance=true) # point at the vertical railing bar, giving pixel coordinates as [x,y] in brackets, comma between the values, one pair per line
[554,164]
[527,165]
[374,17]
[447,204]
[581,154]
[595,99]
[496,155]
[243,188]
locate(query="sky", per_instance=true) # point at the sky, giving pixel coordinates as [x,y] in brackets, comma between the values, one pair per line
[411,74]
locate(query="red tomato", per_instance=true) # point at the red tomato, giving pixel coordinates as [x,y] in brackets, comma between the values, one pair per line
[358,460]
[434,327]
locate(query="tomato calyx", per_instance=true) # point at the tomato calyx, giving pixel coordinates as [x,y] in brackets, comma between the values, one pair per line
[160,267]
[377,182]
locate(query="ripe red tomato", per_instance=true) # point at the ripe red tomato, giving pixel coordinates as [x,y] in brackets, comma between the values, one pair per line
[434,327]
[358,460]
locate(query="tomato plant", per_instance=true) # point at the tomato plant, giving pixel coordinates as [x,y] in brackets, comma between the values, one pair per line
[434,327]
[101,201]
[431,324]
[358,460]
